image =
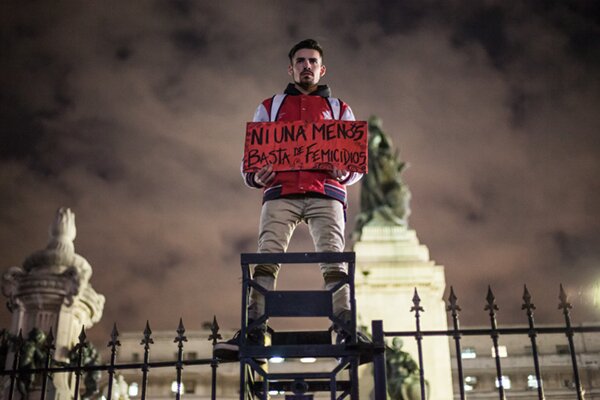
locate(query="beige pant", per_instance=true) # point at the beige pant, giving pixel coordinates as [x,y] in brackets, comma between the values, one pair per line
[278,219]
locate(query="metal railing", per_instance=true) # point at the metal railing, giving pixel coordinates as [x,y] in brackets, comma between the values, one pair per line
[494,332]
[18,373]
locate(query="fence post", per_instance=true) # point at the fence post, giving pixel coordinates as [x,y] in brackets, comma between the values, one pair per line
[529,306]
[146,341]
[113,344]
[419,337]
[379,376]
[454,309]
[214,364]
[566,306]
[179,366]
[49,347]
[492,308]
[80,346]
[13,374]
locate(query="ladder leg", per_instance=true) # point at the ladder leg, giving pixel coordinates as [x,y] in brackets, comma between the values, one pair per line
[242,380]
[354,379]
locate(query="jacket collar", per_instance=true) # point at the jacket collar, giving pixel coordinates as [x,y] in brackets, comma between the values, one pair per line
[322,90]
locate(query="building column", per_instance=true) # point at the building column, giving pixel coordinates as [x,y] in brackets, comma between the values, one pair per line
[391,263]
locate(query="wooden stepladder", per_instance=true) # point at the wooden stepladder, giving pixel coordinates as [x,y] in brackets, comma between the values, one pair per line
[341,381]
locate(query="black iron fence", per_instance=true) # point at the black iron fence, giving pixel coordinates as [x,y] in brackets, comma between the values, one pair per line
[20,375]
[494,333]
[19,381]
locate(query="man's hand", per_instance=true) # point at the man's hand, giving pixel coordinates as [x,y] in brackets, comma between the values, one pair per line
[338,174]
[265,175]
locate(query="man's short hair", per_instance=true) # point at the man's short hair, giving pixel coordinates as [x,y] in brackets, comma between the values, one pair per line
[305,44]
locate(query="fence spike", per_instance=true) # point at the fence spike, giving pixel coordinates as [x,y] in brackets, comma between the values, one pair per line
[114,337]
[416,302]
[564,300]
[214,329]
[147,340]
[527,305]
[491,301]
[181,328]
[453,300]
[180,333]
[82,335]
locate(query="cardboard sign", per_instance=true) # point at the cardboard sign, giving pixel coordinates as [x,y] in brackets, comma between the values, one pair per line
[306,145]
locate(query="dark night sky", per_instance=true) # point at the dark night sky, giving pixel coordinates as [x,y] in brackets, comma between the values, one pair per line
[132,114]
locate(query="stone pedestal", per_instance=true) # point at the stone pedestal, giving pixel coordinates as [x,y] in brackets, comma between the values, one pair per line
[391,263]
[51,290]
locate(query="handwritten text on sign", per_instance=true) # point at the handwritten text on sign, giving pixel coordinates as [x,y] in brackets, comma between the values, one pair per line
[300,145]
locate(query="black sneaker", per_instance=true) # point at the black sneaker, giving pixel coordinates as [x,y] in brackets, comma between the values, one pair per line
[230,349]
[363,343]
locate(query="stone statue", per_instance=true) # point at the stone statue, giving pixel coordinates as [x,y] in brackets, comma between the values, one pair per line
[89,358]
[10,286]
[63,231]
[32,355]
[59,253]
[120,388]
[402,373]
[384,198]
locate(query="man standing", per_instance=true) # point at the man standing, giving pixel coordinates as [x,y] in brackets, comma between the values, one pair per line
[316,197]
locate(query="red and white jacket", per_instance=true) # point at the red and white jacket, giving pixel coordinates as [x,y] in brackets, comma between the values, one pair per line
[293,106]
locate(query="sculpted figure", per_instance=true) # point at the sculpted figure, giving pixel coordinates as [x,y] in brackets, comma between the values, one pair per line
[63,231]
[402,373]
[121,389]
[91,378]
[32,355]
[384,198]
[89,357]
[10,286]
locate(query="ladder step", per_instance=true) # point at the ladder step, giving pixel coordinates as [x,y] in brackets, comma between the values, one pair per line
[297,258]
[299,351]
[311,386]
[298,303]
[285,338]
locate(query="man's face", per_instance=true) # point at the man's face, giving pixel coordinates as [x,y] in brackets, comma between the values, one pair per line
[307,68]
